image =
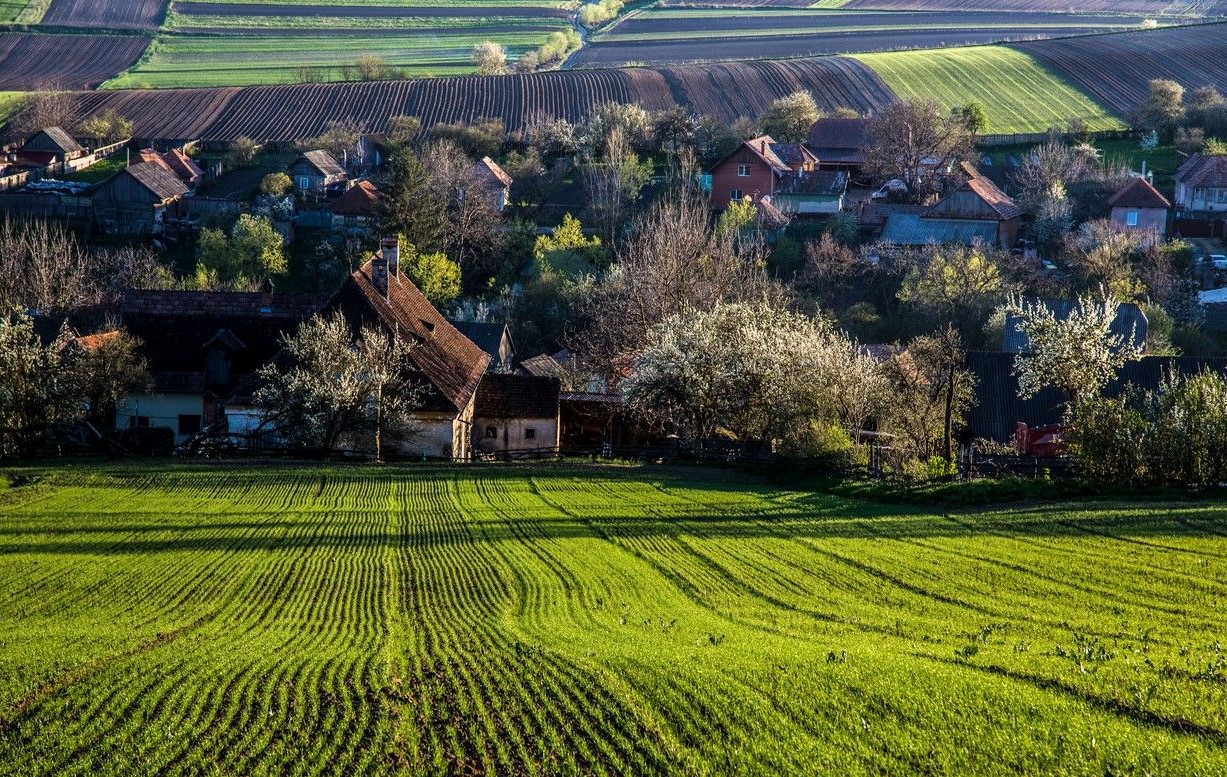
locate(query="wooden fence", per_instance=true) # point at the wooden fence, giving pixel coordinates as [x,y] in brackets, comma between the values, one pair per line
[1035,138]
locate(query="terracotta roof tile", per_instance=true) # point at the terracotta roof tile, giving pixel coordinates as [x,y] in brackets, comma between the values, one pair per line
[1139,193]
[1203,170]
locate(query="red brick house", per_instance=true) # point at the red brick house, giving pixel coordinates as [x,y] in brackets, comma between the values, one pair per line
[758,168]
[1139,207]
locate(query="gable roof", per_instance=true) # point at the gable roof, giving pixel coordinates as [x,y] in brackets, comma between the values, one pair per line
[1139,193]
[450,362]
[59,138]
[486,336]
[361,199]
[157,179]
[322,161]
[988,199]
[1203,170]
[907,228]
[831,183]
[542,365]
[840,141]
[761,147]
[517,396]
[793,154]
[488,168]
[182,165]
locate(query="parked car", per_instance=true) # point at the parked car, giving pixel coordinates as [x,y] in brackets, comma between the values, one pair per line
[1219,261]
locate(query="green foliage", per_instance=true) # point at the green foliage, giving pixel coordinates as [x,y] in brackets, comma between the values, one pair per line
[38,386]
[269,620]
[789,118]
[436,276]
[409,206]
[567,251]
[596,14]
[276,184]
[974,116]
[251,252]
[738,216]
[1214,147]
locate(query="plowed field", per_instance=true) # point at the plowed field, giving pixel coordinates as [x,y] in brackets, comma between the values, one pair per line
[595,621]
[34,61]
[106,14]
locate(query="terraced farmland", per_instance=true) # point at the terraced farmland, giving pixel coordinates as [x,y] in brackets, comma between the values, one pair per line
[665,35]
[592,621]
[1020,94]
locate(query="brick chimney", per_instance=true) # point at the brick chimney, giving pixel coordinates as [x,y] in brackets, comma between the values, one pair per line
[390,247]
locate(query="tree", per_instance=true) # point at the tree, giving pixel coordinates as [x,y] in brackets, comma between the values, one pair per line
[38,386]
[955,283]
[490,58]
[789,118]
[1102,257]
[403,129]
[109,369]
[106,127]
[754,370]
[242,152]
[371,68]
[932,389]
[473,234]
[568,251]
[613,185]
[253,250]
[914,141]
[1078,354]
[41,109]
[332,388]
[674,128]
[974,118]
[339,138]
[436,276]
[276,184]
[1053,219]
[409,206]
[1162,109]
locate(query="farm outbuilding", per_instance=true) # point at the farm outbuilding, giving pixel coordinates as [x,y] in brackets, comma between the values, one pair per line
[517,414]
[135,199]
[55,141]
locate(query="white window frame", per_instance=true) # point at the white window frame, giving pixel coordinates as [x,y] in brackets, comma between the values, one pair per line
[1131,218]
[736,195]
[743,171]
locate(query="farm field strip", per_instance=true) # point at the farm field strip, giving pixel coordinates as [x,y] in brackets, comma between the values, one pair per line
[1148,7]
[1023,96]
[594,620]
[31,61]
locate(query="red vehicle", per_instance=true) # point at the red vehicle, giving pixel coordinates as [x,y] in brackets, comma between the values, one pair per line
[1040,441]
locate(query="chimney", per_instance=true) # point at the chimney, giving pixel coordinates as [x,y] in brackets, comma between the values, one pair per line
[379,272]
[390,248]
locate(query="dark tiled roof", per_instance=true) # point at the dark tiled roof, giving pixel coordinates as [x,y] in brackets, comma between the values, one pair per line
[361,200]
[517,396]
[998,408]
[763,148]
[838,141]
[221,304]
[820,182]
[486,336]
[988,196]
[1203,170]
[792,154]
[323,162]
[542,365]
[1139,193]
[449,361]
[157,179]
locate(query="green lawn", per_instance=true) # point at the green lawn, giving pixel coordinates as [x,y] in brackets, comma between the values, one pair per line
[581,620]
[1020,94]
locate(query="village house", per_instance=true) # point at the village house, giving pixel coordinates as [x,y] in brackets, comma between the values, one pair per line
[451,366]
[177,164]
[356,209]
[491,181]
[316,172]
[517,415]
[977,211]
[134,201]
[1139,207]
[757,169]
[839,144]
[1201,183]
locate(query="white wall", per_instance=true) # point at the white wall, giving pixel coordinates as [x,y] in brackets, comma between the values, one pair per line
[510,434]
[161,409]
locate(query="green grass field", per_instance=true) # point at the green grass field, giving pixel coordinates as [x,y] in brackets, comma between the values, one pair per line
[584,620]
[1020,94]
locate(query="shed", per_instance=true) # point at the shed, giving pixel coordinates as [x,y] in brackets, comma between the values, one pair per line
[135,199]
[56,141]
[517,413]
[316,172]
[838,143]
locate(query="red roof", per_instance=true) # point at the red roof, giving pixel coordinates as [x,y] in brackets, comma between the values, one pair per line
[1139,193]
[361,200]
[448,360]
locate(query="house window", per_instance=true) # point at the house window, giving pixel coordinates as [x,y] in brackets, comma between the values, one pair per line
[1131,218]
[304,182]
[735,195]
[189,424]
[491,432]
[743,170]
[530,433]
